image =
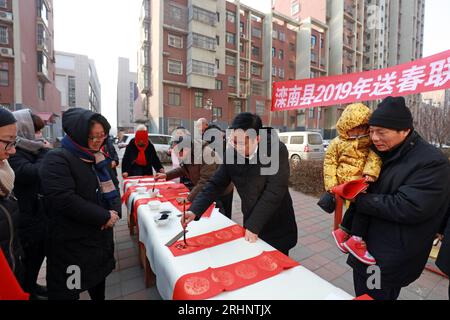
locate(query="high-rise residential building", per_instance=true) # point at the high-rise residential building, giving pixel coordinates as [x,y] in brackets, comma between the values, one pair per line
[215,59]
[78,82]
[364,35]
[129,110]
[27,60]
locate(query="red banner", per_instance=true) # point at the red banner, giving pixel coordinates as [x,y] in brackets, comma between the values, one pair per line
[213,281]
[427,74]
[207,240]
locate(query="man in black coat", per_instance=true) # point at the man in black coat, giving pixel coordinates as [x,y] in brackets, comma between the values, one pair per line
[266,202]
[406,205]
[81,245]
[443,259]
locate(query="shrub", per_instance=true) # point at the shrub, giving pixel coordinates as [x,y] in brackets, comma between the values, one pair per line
[307,177]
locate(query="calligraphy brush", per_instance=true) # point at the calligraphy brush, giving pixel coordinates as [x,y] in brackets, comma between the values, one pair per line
[184,219]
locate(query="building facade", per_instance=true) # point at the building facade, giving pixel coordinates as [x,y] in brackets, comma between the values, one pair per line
[215,59]
[27,60]
[78,82]
[129,108]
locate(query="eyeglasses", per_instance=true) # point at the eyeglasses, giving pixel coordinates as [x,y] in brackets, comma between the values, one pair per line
[10,144]
[98,138]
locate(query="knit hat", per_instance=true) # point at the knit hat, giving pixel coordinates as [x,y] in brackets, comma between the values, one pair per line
[6,117]
[392,113]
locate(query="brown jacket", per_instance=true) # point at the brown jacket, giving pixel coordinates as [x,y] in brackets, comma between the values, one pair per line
[199,174]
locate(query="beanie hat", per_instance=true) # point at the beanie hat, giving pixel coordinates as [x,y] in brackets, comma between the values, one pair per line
[392,113]
[6,117]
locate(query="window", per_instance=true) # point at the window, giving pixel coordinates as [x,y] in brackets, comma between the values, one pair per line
[258,88]
[232,81]
[255,51]
[237,107]
[241,46]
[203,42]
[72,90]
[3,3]
[205,16]
[231,38]
[260,108]
[281,54]
[230,60]
[274,52]
[219,85]
[313,41]
[256,32]
[242,27]
[199,99]
[231,16]
[175,41]
[295,8]
[281,72]
[256,70]
[41,90]
[202,68]
[314,139]
[243,66]
[297,140]
[275,34]
[282,36]
[4,38]
[175,12]
[175,67]
[311,113]
[174,96]
[313,57]
[217,112]
[4,75]
[274,70]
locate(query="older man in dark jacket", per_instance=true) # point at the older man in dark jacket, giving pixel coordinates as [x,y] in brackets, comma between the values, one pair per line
[266,202]
[406,205]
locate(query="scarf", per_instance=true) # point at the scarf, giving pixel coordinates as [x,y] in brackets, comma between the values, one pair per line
[7,177]
[141,142]
[101,169]
[30,146]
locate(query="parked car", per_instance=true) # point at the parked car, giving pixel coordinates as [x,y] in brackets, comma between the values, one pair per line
[160,141]
[303,145]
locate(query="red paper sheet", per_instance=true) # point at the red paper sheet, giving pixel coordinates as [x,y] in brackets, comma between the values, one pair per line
[9,287]
[207,213]
[136,178]
[170,189]
[213,281]
[207,240]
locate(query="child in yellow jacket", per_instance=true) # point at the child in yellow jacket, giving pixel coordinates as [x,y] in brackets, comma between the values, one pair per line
[349,157]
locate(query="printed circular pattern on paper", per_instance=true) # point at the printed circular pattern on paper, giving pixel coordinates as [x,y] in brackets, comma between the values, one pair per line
[237,230]
[224,235]
[246,271]
[223,277]
[267,263]
[195,286]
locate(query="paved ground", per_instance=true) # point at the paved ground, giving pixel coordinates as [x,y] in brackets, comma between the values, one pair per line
[315,250]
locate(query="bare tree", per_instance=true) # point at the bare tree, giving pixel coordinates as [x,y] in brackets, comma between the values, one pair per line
[433,124]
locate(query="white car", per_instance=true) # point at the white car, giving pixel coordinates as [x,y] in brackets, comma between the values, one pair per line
[160,141]
[303,145]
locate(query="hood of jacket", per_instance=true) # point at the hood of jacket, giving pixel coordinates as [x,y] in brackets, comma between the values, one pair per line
[353,116]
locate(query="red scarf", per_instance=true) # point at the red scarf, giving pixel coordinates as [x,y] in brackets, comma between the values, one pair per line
[141,142]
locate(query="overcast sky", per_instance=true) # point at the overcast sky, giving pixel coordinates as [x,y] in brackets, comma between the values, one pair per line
[105,30]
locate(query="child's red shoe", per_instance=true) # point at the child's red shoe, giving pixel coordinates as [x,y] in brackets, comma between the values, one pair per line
[358,249]
[340,236]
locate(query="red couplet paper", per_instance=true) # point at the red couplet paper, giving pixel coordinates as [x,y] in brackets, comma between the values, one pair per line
[137,179]
[206,214]
[213,281]
[9,287]
[169,190]
[364,297]
[207,240]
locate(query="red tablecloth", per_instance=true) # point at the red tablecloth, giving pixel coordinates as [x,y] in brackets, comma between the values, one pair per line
[9,287]
[207,240]
[213,281]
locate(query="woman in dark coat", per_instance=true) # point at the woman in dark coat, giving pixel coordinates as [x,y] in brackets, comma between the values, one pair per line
[82,204]
[9,209]
[140,156]
[32,220]
[443,259]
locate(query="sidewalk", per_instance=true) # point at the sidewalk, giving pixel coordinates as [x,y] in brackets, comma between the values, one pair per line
[315,250]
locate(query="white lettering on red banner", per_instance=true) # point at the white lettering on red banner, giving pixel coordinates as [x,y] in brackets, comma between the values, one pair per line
[427,74]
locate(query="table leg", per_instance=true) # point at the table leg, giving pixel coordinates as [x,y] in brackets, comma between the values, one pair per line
[149,276]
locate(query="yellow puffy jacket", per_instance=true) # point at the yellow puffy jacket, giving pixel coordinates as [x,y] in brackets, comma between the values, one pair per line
[349,159]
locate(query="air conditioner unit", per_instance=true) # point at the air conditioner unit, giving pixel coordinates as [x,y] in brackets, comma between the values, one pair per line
[6,16]
[6,52]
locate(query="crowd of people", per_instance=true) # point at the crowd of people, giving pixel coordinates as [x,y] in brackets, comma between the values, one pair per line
[62,203]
